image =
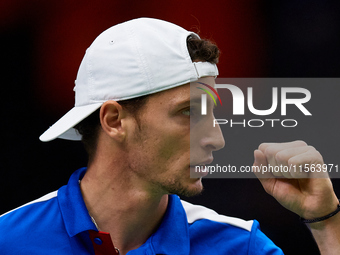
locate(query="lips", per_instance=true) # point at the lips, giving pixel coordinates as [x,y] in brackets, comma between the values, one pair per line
[203,163]
[200,172]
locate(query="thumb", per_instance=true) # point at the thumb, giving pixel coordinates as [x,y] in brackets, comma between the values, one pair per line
[260,166]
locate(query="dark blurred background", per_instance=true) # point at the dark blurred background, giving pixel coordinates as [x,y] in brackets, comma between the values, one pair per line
[43,42]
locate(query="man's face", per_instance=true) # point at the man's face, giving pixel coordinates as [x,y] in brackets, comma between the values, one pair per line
[160,152]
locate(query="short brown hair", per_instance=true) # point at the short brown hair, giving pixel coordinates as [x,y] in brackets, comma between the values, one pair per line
[202,50]
[199,50]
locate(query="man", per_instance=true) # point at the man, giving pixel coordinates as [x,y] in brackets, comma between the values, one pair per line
[135,115]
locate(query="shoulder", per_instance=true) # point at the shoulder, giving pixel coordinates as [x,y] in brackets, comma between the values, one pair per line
[223,233]
[198,212]
[31,209]
[38,219]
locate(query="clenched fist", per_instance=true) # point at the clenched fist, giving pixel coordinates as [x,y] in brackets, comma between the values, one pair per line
[285,171]
[289,178]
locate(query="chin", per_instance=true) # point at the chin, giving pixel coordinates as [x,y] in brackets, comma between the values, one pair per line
[192,189]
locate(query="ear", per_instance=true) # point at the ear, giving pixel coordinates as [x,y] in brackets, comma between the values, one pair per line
[111,115]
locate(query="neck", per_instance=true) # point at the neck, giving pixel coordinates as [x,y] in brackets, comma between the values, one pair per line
[121,207]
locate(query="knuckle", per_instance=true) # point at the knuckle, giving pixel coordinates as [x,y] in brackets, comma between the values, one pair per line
[318,157]
[270,151]
[314,152]
[293,162]
[280,156]
[311,148]
[300,143]
[262,147]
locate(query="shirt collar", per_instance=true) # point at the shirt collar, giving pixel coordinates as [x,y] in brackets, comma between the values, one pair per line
[72,206]
[172,236]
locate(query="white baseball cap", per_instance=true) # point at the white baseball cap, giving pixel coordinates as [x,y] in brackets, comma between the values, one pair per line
[129,60]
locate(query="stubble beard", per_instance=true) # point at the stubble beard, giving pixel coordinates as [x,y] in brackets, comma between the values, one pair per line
[175,187]
[172,186]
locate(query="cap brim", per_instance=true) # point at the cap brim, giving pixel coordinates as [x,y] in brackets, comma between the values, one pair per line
[63,128]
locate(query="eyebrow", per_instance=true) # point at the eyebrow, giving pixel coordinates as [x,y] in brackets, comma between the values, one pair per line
[196,100]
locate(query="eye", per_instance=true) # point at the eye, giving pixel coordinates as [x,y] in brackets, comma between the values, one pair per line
[187,112]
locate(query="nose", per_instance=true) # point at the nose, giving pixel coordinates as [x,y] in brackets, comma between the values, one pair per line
[213,138]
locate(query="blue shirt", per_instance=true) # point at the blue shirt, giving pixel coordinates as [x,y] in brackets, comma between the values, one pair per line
[59,223]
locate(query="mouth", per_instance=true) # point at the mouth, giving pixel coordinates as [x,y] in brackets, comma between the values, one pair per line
[200,170]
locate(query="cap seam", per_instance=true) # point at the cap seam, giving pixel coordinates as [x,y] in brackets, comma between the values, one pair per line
[90,79]
[142,66]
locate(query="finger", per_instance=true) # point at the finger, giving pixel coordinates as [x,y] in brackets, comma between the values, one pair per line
[282,159]
[270,150]
[260,166]
[281,146]
[309,165]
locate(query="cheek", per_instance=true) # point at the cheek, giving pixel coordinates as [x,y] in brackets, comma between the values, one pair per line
[160,147]
[170,149]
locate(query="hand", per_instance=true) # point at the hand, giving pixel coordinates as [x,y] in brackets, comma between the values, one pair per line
[309,194]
